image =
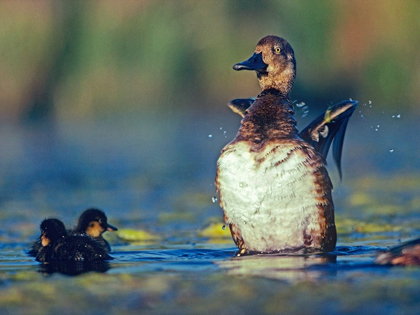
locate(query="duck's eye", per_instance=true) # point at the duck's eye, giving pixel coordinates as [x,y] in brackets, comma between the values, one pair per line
[277,50]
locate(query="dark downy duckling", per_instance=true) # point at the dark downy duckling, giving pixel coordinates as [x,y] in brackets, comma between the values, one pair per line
[273,186]
[52,230]
[94,223]
[406,254]
[58,245]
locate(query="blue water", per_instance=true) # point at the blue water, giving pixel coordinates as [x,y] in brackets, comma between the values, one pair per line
[148,173]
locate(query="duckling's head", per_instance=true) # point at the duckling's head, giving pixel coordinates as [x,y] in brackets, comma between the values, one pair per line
[274,62]
[94,222]
[51,231]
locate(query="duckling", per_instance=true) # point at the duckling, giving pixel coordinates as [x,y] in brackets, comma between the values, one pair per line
[329,127]
[406,254]
[52,230]
[273,185]
[92,222]
[58,245]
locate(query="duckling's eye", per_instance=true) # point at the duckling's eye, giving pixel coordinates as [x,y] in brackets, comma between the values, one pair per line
[277,50]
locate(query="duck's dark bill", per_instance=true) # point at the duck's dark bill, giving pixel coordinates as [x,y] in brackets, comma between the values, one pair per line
[254,63]
[111,228]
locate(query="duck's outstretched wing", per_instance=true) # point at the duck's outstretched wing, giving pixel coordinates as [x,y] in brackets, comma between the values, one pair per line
[330,127]
[240,105]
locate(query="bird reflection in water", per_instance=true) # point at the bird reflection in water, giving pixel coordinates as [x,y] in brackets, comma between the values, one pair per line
[73,268]
[291,268]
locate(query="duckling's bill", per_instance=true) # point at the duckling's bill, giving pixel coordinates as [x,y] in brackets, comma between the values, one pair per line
[111,228]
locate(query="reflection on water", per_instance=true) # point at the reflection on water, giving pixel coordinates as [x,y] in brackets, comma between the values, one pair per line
[280,267]
[73,268]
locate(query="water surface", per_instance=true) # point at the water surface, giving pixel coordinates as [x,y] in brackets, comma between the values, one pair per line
[149,174]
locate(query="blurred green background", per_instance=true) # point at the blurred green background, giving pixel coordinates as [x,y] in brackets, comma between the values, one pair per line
[121,105]
[90,59]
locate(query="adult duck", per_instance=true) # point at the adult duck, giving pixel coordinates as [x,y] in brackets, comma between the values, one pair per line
[273,185]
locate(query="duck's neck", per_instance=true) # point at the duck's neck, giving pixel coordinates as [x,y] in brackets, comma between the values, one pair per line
[281,79]
[270,117]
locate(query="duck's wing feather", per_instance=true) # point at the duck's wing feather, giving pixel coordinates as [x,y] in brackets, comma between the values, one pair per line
[330,127]
[240,105]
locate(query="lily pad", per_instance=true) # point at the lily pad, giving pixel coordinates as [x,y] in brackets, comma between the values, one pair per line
[136,235]
[215,230]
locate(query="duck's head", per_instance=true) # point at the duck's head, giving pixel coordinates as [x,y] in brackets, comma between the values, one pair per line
[274,62]
[94,222]
[51,231]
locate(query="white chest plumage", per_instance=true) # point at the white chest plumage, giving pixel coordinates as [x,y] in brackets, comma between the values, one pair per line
[270,195]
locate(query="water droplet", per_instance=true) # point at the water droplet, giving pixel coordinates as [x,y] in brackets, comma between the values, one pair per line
[361,115]
[224,132]
[214,199]
[393,116]
[376,129]
[243,184]
[398,116]
[301,104]
[350,99]
[392,150]
[224,227]
[221,128]
[210,136]
[377,126]
[370,102]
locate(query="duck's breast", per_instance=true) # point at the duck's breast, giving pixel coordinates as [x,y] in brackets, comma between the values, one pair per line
[276,197]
